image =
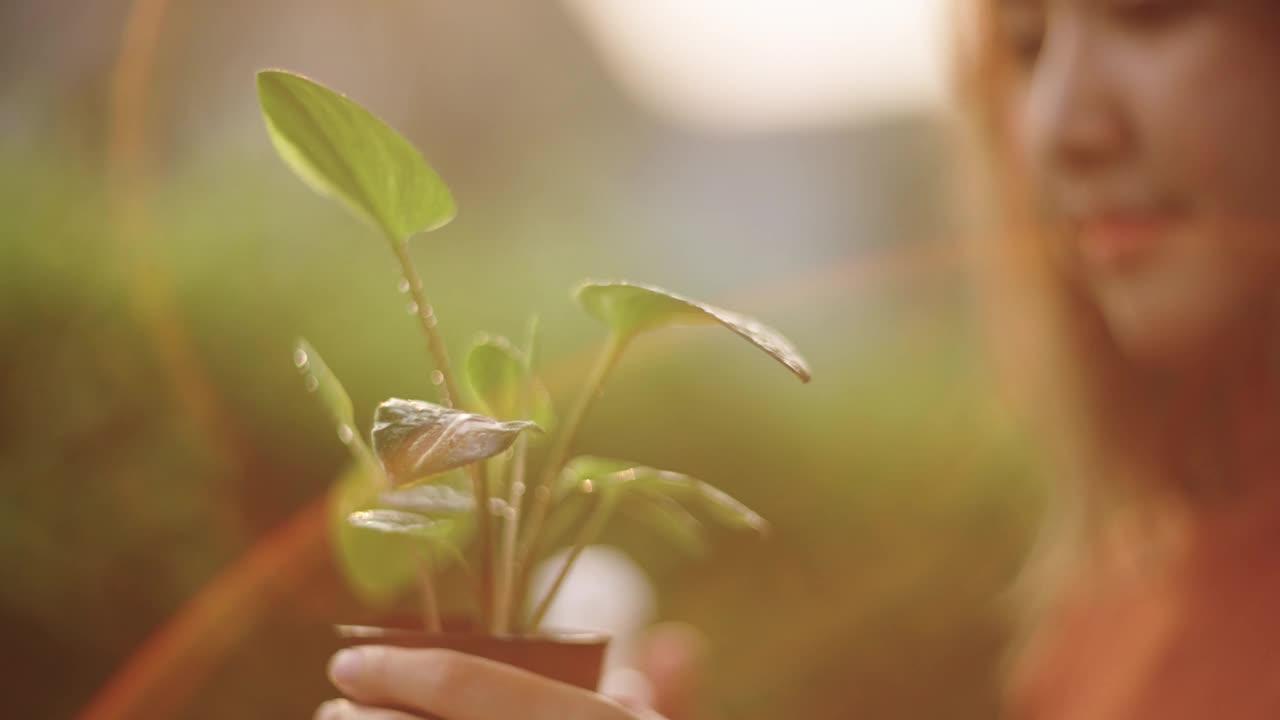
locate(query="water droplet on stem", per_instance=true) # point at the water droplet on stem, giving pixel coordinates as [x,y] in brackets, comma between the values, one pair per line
[312,383]
[437,377]
[403,286]
[346,434]
[300,359]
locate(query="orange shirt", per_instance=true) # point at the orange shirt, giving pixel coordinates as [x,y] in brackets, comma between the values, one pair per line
[1196,641]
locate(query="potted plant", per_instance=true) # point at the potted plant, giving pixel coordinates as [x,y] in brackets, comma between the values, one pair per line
[405,487]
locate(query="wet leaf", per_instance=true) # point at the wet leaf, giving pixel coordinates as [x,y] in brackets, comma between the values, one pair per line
[432,541]
[668,519]
[718,504]
[589,469]
[415,439]
[609,475]
[396,522]
[430,499]
[427,499]
[632,308]
[341,149]
[499,375]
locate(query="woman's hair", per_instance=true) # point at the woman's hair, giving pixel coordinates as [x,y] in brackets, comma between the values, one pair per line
[1056,361]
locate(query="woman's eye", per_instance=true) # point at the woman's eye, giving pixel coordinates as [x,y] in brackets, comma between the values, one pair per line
[1026,47]
[1024,36]
[1149,13]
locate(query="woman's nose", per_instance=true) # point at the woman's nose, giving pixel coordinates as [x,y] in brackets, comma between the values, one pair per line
[1074,111]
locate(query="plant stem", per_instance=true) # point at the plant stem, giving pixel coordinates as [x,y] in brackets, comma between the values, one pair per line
[449,394]
[365,457]
[484,528]
[516,489]
[590,531]
[558,455]
[430,606]
[510,531]
[450,397]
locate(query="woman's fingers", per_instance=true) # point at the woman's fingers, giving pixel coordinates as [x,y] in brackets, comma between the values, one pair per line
[347,710]
[460,687]
[672,657]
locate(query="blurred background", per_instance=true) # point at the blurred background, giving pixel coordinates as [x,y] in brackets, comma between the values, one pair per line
[164,546]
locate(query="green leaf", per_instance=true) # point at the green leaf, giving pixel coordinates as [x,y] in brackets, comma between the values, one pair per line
[498,374]
[716,503]
[565,520]
[632,308]
[396,522]
[585,469]
[431,499]
[668,519]
[341,149]
[595,474]
[414,439]
[428,499]
[377,567]
[393,522]
[433,541]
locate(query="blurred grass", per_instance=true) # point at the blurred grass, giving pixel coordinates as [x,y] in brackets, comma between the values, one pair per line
[900,497]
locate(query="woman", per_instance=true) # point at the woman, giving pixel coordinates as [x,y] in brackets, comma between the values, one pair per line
[1141,141]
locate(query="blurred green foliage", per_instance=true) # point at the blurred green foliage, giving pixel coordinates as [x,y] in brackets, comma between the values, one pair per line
[900,499]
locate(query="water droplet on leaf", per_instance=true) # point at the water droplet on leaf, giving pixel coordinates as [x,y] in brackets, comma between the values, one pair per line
[312,383]
[300,359]
[346,434]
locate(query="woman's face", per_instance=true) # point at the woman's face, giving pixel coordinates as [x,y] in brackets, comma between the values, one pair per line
[1152,129]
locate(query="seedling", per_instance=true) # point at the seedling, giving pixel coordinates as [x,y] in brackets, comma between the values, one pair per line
[503,518]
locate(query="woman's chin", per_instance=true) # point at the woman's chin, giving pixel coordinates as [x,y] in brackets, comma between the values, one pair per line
[1158,348]
[1169,335]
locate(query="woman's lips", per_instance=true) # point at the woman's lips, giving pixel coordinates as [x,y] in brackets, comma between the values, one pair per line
[1119,242]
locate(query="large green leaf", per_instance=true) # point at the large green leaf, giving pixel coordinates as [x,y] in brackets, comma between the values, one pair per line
[595,474]
[343,150]
[631,308]
[414,439]
[500,377]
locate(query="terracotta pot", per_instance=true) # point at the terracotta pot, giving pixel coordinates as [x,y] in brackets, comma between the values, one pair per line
[576,658]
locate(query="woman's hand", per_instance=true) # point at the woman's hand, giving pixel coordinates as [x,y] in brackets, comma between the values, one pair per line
[446,684]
